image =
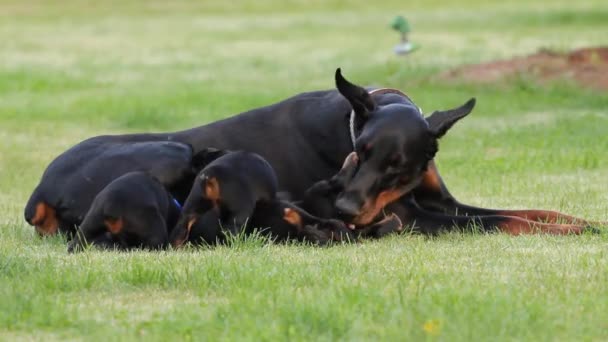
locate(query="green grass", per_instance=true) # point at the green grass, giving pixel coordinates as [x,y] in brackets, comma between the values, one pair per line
[71,69]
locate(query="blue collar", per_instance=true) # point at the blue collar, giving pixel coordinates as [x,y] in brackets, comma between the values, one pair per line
[179,206]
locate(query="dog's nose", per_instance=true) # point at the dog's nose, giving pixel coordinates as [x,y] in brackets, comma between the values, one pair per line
[347,207]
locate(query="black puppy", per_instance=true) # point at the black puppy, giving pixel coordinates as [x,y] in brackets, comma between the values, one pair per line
[236,192]
[73,181]
[135,210]
[319,200]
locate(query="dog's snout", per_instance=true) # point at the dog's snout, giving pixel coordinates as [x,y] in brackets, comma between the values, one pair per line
[347,206]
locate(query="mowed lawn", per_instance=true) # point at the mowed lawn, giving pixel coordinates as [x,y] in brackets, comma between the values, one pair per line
[69,71]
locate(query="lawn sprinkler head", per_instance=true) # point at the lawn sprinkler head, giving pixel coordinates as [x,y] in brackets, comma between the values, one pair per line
[401,25]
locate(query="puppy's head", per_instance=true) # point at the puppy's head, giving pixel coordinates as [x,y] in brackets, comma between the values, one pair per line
[205,195]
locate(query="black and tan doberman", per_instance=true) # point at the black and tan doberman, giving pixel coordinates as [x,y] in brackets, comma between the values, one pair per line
[305,139]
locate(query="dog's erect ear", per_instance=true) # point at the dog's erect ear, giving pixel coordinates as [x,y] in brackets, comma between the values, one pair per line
[347,172]
[359,98]
[205,157]
[440,121]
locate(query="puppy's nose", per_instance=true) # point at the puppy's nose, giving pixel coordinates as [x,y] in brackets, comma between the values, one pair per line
[347,207]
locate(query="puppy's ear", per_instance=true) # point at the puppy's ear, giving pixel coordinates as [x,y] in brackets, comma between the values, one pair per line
[359,98]
[204,157]
[441,121]
[348,169]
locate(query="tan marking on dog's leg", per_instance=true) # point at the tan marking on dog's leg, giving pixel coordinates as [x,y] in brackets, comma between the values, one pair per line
[519,226]
[547,216]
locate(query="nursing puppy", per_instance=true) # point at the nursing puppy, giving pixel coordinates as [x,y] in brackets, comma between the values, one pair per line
[236,193]
[133,211]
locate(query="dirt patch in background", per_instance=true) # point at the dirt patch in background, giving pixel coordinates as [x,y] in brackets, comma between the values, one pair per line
[588,67]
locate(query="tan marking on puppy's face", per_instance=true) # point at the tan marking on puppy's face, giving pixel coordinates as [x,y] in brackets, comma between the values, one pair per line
[212,189]
[40,214]
[292,217]
[45,220]
[114,226]
[180,242]
[191,222]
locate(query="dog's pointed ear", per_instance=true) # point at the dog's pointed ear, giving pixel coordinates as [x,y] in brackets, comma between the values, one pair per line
[204,157]
[359,98]
[441,121]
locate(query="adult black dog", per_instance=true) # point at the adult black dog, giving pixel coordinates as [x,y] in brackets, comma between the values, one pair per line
[305,138]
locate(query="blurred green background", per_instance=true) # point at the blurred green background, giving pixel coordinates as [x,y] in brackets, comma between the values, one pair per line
[73,69]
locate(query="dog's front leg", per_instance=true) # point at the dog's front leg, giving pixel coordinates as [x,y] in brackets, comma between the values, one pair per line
[431,223]
[433,195]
